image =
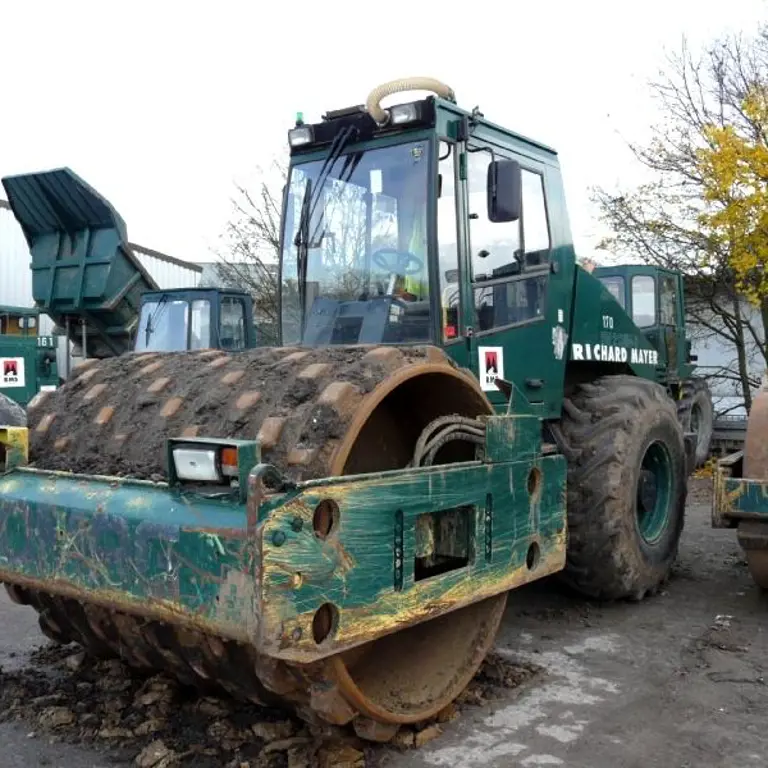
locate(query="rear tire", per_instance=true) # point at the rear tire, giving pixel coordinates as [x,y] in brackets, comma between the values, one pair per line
[696,413]
[619,430]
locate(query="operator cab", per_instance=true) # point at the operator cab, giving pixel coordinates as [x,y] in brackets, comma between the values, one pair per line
[201,318]
[18,321]
[652,297]
[359,262]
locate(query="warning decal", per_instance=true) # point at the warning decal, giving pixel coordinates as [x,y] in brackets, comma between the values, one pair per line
[11,372]
[491,366]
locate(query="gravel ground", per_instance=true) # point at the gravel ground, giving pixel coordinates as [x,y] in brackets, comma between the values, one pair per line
[675,682]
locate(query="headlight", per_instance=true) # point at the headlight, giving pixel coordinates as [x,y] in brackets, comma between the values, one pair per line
[300,136]
[403,113]
[205,464]
[221,464]
[196,464]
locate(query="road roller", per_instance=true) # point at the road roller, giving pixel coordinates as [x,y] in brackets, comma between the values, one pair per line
[456,409]
[740,490]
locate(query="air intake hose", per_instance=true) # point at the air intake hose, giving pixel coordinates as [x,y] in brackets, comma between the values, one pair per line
[373,102]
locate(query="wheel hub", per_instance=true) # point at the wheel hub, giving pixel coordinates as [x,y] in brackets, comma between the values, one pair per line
[654,492]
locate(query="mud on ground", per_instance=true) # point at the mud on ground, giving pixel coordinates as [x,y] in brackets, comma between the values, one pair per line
[153,722]
[677,681]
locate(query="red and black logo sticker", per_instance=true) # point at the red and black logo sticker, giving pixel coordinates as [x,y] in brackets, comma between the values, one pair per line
[10,368]
[491,363]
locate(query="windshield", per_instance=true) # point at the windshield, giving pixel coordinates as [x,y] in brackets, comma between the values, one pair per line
[360,237]
[164,325]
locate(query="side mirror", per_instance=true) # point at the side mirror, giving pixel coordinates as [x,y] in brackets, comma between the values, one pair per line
[504,191]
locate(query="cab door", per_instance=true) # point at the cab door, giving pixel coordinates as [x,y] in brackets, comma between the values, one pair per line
[518,324]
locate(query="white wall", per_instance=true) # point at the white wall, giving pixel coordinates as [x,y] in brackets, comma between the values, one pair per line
[15,274]
[716,355]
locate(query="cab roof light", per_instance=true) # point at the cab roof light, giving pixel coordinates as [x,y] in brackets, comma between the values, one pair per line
[300,136]
[404,113]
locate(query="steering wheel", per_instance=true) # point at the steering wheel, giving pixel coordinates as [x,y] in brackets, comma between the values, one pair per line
[392,260]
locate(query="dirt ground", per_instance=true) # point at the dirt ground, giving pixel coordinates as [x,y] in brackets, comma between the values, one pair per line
[674,682]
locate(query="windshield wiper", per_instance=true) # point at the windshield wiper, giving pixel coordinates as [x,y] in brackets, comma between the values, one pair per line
[149,330]
[301,241]
[308,205]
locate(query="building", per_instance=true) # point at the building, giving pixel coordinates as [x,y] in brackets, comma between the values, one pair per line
[717,355]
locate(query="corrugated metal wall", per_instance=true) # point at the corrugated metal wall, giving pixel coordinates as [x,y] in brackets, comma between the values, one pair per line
[16,275]
[166,271]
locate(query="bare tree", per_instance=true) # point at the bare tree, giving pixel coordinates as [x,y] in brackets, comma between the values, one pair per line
[250,250]
[664,222]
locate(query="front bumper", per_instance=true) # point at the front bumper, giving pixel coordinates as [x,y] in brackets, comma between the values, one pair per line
[301,572]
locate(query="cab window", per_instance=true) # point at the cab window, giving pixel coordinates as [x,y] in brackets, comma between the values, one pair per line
[615,286]
[643,301]
[668,300]
[232,324]
[510,260]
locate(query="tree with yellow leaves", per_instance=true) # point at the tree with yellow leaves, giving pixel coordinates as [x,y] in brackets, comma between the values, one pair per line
[734,172]
[704,211]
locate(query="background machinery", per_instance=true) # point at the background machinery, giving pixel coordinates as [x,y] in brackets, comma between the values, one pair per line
[27,359]
[88,280]
[655,299]
[456,409]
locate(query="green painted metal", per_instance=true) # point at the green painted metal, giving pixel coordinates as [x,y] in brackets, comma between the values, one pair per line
[667,334]
[27,365]
[257,571]
[84,271]
[136,544]
[603,335]
[82,266]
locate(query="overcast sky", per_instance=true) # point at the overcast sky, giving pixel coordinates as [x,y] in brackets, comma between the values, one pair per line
[161,105]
